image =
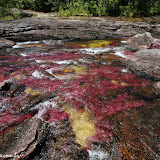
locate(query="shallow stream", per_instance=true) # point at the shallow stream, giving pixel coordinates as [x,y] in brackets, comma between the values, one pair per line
[109,109]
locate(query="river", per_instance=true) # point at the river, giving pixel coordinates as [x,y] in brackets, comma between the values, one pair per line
[87,84]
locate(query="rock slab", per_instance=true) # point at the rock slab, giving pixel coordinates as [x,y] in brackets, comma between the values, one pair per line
[145,62]
[141,41]
[19,141]
[4,43]
[73,28]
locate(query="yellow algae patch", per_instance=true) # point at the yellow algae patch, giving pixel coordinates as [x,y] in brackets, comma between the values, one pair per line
[32,92]
[124,84]
[33,45]
[114,82]
[79,69]
[75,69]
[118,83]
[96,44]
[82,125]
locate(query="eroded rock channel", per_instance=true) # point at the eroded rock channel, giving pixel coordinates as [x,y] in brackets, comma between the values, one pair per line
[92,99]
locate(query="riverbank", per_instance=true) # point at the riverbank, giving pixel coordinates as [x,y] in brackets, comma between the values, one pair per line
[48,26]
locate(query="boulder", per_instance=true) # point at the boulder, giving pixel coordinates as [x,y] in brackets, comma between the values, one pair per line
[145,62]
[17,142]
[141,41]
[4,43]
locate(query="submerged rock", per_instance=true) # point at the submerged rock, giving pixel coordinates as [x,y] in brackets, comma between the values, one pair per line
[31,100]
[17,142]
[137,132]
[4,43]
[149,92]
[145,62]
[11,89]
[141,41]
[60,144]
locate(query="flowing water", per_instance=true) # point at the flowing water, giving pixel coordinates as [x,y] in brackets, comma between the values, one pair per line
[84,82]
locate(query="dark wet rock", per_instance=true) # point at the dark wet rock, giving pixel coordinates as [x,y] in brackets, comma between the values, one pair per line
[31,100]
[145,62]
[12,89]
[137,132]
[78,34]
[17,142]
[110,58]
[141,41]
[60,144]
[149,92]
[4,43]
[14,63]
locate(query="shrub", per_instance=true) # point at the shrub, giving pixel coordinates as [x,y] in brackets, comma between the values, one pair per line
[43,5]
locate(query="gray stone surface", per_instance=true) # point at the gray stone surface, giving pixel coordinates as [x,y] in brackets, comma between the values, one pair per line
[4,43]
[73,28]
[141,41]
[21,140]
[145,62]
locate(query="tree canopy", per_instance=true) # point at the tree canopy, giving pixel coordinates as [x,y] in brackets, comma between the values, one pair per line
[135,8]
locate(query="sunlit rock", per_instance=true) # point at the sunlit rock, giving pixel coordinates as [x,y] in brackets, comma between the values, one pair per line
[6,43]
[156,44]
[141,41]
[145,62]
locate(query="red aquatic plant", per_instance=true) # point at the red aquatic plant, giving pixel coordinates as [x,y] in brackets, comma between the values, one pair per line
[2,78]
[56,56]
[11,58]
[43,84]
[7,119]
[89,92]
[128,52]
[101,91]
[156,44]
[54,115]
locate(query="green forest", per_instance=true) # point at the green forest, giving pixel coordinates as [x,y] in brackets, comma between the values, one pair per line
[131,8]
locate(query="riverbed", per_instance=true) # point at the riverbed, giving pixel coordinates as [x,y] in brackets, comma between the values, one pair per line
[84,86]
